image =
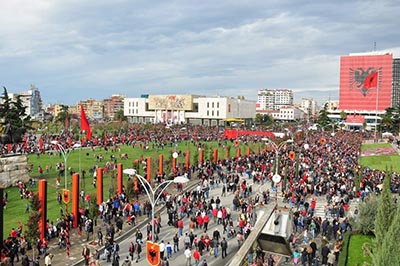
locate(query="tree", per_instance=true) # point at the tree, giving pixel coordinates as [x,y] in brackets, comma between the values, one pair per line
[323,118]
[94,208]
[383,220]
[343,115]
[64,116]
[119,116]
[367,214]
[32,225]
[13,118]
[390,251]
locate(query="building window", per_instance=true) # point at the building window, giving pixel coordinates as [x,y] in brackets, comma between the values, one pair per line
[229,108]
[208,105]
[217,112]
[217,104]
[212,113]
[137,104]
[212,104]
[208,113]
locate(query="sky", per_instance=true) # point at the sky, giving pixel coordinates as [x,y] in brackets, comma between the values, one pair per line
[73,50]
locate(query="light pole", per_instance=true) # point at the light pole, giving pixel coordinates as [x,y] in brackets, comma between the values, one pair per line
[276,177]
[151,193]
[64,153]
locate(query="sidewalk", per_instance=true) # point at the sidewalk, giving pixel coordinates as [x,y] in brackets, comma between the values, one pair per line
[78,241]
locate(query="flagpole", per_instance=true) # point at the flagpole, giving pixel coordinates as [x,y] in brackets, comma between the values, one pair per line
[80,149]
[376,113]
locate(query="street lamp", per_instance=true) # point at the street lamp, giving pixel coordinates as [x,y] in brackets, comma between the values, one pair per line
[151,193]
[64,153]
[276,177]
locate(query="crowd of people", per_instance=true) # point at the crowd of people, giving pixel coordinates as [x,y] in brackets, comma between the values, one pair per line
[324,165]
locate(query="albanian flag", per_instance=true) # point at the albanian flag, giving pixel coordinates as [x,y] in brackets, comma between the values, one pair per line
[85,124]
[371,81]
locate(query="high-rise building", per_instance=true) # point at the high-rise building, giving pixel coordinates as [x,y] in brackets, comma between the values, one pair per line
[93,109]
[112,106]
[396,83]
[274,99]
[366,82]
[309,106]
[31,99]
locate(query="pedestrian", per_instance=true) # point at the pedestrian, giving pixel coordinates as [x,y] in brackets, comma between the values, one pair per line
[48,259]
[176,243]
[162,249]
[126,262]
[168,248]
[196,256]
[204,263]
[131,249]
[188,255]
[270,260]
[331,258]
[86,254]
[100,237]
[224,246]
[138,249]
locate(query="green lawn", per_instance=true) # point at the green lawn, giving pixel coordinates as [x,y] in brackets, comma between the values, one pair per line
[355,254]
[375,146]
[381,162]
[15,210]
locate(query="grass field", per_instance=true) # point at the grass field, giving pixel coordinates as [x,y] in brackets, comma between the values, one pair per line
[15,210]
[365,147]
[384,162]
[355,254]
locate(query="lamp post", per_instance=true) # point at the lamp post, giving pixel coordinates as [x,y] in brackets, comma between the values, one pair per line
[64,153]
[276,177]
[151,193]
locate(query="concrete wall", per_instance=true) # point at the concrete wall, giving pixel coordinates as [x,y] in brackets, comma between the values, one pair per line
[12,169]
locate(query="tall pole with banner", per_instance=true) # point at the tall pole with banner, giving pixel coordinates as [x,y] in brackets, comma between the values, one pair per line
[66,199]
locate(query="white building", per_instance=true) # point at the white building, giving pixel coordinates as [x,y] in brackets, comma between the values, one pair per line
[309,106]
[193,109]
[269,99]
[285,114]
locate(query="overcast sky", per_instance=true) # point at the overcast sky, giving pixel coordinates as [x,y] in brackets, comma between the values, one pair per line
[78,49]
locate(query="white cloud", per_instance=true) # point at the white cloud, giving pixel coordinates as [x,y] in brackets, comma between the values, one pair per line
[81,48]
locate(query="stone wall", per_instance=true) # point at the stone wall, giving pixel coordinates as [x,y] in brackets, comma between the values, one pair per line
[12,169]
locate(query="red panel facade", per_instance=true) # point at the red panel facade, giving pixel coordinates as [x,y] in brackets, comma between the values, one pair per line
[354,93]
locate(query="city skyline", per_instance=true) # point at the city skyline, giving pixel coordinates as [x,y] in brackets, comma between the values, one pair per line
[75,50]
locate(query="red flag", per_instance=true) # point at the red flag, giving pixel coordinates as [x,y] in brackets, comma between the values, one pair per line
[85,124]
[40,144]
[371,81]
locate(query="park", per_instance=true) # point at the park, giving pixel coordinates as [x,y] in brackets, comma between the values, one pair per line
[62,161]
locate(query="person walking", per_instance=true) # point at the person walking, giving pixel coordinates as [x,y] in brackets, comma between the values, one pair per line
[188,255]
[168,248]
[224,247]
[47,259]
[176,242]
[162,249]
[131,250]
[196,256]
[138,249]
[86,254]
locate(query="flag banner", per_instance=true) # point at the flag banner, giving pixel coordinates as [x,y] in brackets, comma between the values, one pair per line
[85,124]
[371,81]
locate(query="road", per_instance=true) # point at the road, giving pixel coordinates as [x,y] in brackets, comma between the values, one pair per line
[167,233]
